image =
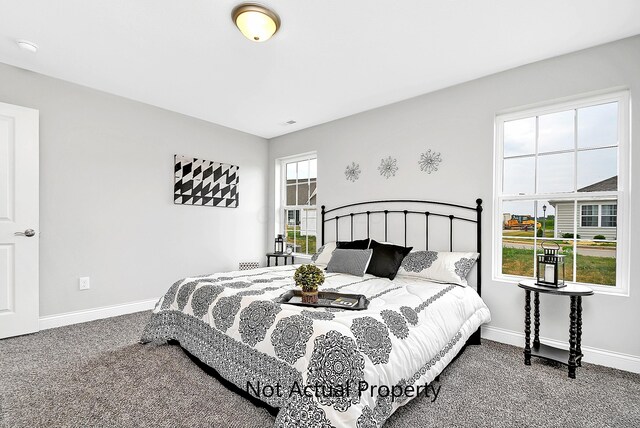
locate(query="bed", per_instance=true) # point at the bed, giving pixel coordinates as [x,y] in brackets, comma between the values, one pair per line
[323,367]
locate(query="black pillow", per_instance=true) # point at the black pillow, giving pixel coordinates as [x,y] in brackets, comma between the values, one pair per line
[386,259]
[359,244]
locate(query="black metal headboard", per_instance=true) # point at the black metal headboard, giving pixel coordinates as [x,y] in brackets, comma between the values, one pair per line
[426,214]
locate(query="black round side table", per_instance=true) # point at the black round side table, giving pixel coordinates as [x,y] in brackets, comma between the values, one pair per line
[277,256]
[571,358]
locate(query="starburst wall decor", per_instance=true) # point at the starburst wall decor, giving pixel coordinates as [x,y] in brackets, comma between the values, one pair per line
[429,161]
[388,167]
[352,172]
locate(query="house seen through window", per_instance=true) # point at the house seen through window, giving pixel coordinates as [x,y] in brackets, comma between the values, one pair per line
[300,180]
[557,181]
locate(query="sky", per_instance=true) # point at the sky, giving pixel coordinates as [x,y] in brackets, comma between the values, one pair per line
[597,152]
[303,168]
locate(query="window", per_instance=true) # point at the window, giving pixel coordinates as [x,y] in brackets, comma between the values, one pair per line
[609,216]
[599,216]
[299,194]
[589,216]
[560,174]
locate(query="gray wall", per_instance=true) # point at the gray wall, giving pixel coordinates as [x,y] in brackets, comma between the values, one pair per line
[459,123]
[106,207]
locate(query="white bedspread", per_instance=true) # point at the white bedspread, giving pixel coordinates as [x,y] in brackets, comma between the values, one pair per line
[411,330]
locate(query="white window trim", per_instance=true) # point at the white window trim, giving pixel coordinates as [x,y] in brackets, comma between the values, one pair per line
[598,215]
[624,215]
[281,195]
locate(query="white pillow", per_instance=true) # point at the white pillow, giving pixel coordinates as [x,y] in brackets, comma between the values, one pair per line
[323,255]
[438,266]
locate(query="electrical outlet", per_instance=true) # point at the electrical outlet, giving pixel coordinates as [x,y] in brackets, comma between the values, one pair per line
[84,283]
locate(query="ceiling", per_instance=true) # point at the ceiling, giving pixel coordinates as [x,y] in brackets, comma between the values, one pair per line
[330,59]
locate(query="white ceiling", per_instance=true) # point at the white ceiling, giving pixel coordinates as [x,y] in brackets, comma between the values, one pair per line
[330,59]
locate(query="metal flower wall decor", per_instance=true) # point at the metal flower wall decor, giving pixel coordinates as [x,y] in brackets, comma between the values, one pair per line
[352,172]
[429,161]
[388,167]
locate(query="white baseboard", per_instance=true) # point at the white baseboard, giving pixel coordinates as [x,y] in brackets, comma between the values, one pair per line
[68,318]
[602,357]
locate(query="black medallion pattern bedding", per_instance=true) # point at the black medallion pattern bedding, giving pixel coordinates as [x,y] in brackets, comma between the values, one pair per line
[325,367]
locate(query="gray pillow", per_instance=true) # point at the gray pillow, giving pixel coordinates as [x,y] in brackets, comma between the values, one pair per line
[352,262]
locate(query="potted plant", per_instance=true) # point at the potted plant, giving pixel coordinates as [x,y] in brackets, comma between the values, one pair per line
[309,278]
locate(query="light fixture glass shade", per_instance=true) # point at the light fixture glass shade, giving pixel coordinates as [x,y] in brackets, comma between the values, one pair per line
[27,45]
[256,22]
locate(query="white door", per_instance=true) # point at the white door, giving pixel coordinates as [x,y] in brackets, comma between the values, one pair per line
[19,159]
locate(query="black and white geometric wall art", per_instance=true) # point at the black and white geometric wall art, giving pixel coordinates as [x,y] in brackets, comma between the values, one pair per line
[203,182]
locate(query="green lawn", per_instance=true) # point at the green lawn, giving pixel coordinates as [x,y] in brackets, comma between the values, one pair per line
[301,241]
[590,269]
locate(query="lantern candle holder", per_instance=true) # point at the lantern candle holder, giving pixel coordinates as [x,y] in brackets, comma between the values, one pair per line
[278,245]
[550,271]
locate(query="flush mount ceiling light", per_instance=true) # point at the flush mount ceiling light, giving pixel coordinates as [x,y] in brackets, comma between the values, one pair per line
[27,45]
[256,22]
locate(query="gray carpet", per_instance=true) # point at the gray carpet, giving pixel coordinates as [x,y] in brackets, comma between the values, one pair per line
[96,375]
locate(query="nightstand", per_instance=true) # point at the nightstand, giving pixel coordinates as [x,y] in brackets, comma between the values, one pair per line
[571,358]
[277,256]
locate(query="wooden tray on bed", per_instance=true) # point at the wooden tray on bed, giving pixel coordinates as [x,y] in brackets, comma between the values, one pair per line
[326,299]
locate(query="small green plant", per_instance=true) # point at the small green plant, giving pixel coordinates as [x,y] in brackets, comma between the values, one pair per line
[539,233]
[308,277]
[599,237]
[570,235]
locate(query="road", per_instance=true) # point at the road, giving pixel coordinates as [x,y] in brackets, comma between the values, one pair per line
[582,250]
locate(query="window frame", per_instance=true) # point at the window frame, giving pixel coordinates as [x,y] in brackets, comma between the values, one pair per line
[602,215]
[281,196]
[596,215]
[622,97]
